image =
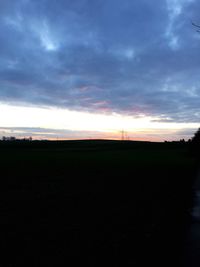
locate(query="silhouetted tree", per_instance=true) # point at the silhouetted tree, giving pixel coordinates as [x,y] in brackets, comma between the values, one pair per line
[196,137]
[195,143]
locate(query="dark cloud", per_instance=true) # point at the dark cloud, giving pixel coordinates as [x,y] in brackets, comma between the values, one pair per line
[133,57]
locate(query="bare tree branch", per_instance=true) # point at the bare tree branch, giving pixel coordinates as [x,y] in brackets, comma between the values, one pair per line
[195,25]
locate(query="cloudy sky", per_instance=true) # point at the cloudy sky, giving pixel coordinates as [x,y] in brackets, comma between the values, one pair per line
[90,68]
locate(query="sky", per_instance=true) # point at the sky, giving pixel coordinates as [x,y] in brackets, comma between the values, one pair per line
[73,69]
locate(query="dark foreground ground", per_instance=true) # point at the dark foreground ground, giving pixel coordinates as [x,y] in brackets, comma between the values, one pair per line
[94,203]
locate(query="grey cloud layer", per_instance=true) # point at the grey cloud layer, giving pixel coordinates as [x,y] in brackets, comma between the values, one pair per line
[134,57]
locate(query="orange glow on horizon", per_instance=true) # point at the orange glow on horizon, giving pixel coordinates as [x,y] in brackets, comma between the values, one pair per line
[84,125]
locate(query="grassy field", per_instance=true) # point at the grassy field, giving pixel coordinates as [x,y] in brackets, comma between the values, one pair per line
[94,202]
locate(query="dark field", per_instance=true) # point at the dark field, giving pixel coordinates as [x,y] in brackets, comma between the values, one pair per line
[94,203]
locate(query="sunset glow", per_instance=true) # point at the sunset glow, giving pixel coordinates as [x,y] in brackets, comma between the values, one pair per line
[103,125]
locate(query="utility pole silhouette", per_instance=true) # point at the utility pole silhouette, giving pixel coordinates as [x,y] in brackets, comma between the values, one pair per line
[126,136]
[122,134]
